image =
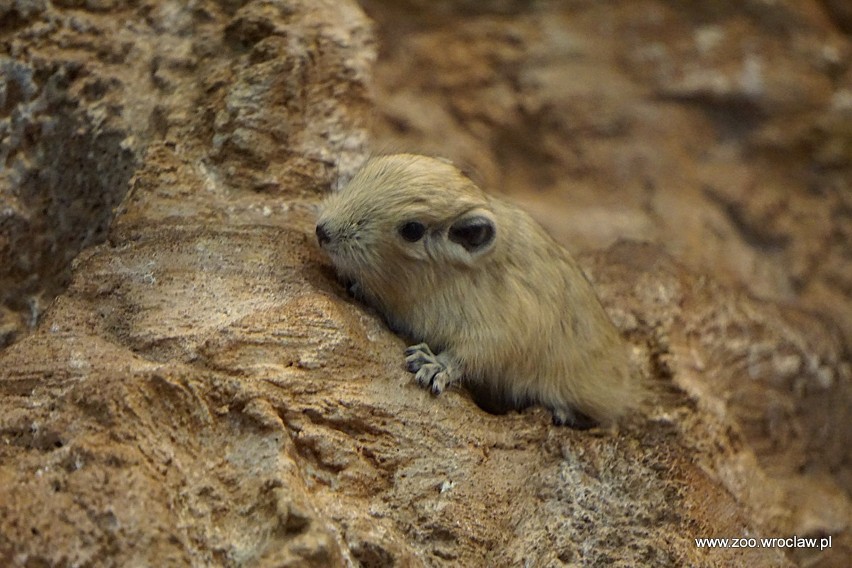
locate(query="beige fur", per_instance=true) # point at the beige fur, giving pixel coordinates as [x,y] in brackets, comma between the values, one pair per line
[512,315]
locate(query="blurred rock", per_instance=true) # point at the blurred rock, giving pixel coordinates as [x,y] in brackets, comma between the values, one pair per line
[721,132]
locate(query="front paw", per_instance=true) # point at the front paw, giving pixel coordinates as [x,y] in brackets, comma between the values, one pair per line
[433,372]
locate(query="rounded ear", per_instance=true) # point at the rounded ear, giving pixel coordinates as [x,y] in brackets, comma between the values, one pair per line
[475,231]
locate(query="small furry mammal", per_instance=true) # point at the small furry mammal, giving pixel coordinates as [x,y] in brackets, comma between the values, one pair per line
[494,299]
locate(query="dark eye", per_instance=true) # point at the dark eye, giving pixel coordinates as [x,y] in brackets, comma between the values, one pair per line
[412,231]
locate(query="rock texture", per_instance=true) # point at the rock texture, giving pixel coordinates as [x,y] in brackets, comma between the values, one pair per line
[201,391]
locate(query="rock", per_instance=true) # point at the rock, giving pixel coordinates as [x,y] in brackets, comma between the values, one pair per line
[196,388]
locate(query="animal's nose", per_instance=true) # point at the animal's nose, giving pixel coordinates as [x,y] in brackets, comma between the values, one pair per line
[322,235]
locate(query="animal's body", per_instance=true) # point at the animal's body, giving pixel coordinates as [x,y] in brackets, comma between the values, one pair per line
[495,301]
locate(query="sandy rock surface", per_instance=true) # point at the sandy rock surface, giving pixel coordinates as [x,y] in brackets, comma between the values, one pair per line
[196,388]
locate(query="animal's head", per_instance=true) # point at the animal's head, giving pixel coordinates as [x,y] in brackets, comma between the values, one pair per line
[404,216]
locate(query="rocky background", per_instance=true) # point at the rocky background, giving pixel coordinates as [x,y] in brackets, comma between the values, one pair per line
[183,381]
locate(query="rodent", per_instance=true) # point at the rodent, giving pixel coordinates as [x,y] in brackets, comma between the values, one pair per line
[494,300]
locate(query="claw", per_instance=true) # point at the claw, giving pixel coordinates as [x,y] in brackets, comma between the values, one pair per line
[415,359]
[440,382]
[421,349]
[426,374]
[419,355]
